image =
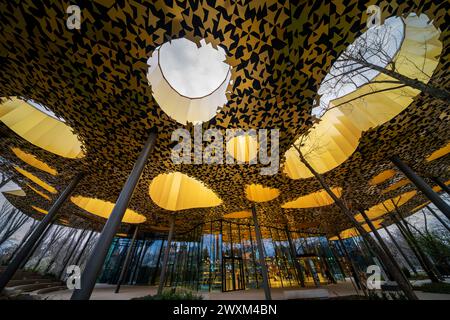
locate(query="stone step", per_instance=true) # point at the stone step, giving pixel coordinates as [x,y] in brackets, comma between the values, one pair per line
[13,283]
[33,287]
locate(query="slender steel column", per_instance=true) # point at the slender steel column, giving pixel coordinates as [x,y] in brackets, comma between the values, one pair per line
[34,237]
[98,255]
[352,265]
[441,184]
[438,218]
[422,186]
[399,249]
[126,263]
[297,265]
[152,282]
[162,276]
[336,258]
[383,245]
[262,259]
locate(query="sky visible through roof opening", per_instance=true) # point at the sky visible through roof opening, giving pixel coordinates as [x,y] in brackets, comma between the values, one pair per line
[193,71]
[389,34]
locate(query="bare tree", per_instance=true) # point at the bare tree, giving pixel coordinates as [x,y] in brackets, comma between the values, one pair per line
[25,237]
[11,220]
[403,283]
[48,243]
[371,54]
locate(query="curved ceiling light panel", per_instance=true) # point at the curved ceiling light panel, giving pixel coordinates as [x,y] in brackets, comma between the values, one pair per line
[352,232]
[238,215]
[33,161]
[103,209]
[17,192]
[43,195]
[259,193]
[382,177]
[438,188]
[243,148]
[36,180]
[313,200]
[439,153]
[176,191]
[386,206]
[189,82]
[334,139]
[40,129]
[396,185]
[40,210]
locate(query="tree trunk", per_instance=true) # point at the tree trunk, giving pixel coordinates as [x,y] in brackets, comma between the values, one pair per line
[404,284]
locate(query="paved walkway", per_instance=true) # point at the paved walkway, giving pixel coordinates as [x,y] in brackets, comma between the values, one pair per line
[106,292]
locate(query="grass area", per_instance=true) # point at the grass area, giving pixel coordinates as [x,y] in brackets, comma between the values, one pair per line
[434,287]
[172,295]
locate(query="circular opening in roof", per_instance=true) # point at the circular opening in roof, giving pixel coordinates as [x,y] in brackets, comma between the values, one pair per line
[188,81]
[45,110]
[193,71]
[378,45]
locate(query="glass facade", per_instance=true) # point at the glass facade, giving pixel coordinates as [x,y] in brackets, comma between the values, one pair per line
[222,256]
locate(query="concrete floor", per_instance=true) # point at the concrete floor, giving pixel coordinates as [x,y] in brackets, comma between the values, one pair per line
[106,292]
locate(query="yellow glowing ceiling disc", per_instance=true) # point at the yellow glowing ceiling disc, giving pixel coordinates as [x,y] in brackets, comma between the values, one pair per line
[43,195]
[312,200]
[243,148]
[259,193]
[36,180]
[40,210]
[176,191]
[40,129]
[386,206]
[398,184]
[103,209]
[382,176]
[334,139]
[238,215]
[438,188]
[439,153]
[420,206]
[18,192]
[33,161]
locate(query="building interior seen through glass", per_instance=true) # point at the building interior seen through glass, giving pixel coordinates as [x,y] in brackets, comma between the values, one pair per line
[222,256]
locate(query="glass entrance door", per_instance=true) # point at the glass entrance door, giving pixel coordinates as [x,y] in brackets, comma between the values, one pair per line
[233,274]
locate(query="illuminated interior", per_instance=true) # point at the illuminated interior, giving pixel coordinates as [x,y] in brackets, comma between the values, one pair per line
[176,191]
[103,209]
[40,129]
